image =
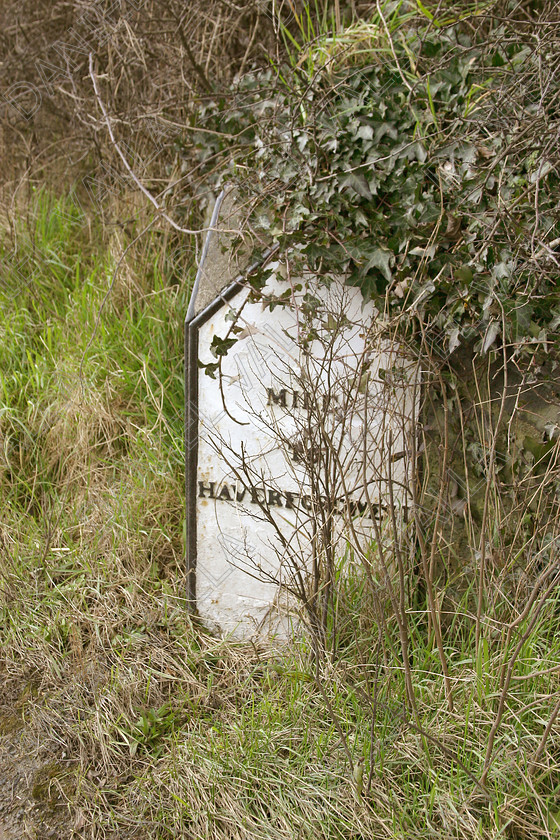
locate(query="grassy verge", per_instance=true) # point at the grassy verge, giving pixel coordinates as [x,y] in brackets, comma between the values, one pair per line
[163,731]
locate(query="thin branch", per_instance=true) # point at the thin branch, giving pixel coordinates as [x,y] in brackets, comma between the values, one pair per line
[392,46]
[534,763]
[159,209]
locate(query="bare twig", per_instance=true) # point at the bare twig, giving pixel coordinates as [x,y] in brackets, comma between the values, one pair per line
[158,208]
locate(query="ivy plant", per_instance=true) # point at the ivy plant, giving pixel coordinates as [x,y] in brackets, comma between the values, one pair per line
[402,169]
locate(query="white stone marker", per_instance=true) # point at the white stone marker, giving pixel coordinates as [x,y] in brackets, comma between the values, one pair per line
[307,413]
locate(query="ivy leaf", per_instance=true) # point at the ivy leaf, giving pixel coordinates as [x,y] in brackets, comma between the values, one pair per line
[210,369]
[220,346]
[356,183]
[492,332]
[381,259]
[454,339]
[365,132]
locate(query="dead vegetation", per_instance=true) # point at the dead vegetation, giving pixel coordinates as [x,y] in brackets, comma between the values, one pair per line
[156,60]
[143,725]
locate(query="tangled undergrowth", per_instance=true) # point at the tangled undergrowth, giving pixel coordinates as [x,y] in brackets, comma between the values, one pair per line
[157,729]
[162,730]
[414,153]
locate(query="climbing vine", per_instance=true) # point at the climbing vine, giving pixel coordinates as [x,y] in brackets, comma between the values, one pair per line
[419,159]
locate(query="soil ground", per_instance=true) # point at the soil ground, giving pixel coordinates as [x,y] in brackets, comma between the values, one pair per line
[32,802]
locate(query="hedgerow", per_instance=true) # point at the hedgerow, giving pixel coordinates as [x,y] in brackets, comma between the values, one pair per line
[416,157]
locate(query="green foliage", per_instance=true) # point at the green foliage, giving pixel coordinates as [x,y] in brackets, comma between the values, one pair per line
[168,732]
[400,167]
